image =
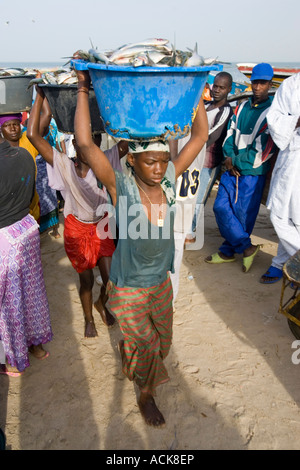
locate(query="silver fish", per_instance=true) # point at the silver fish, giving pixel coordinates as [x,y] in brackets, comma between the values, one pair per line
[166,48]
[30,71]
[210,61]
[66,77]
[182,57]
[155,56]
[50,78]
[123,61]
[70,81]
[141,59]
[81,54]
[151,52]
[84,55]
[12,72]
[195,59]
[153,42]
[130,52]
[35,81]
[99,56]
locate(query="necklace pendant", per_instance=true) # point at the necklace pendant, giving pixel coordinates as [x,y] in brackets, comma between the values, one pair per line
[160,222]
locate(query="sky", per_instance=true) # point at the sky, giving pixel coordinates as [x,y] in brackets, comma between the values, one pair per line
[231,30]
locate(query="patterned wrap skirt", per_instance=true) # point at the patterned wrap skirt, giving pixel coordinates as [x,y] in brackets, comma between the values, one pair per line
[24,308]
[82,244]
[47,197]
[145,318]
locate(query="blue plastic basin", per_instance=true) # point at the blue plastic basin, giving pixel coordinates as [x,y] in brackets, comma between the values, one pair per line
[147,102]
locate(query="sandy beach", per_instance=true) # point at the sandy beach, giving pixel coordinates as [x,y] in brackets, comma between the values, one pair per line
[233,383]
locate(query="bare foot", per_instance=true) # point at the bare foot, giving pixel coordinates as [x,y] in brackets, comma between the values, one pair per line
[149,410]
[38,351]
[55,235]
[188,241]
[107,317]
[90,329]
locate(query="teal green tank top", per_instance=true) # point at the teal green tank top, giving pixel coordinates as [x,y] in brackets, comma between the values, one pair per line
[144,252]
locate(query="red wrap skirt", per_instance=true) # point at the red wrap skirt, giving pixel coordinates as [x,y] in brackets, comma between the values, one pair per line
[82,244]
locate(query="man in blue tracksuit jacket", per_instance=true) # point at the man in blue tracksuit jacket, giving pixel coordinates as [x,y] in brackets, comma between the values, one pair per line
[247,150]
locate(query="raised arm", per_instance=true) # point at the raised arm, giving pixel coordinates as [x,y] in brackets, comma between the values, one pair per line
[199,135]
[96,159]
[45,119]
[33,129]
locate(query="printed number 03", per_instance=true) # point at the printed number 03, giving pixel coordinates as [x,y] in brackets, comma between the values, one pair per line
[190,182]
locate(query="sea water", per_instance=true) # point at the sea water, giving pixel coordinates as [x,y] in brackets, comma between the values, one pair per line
[239,77]
[63,63]
[34,65]
[240,81]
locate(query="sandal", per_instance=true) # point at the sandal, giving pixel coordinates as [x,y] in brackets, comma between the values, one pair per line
[5,371]
[216,259]
[248,260]
[271,276]
[41,357]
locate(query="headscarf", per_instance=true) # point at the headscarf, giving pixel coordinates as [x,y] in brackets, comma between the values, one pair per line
[10,117]
[153,146]
[146,146]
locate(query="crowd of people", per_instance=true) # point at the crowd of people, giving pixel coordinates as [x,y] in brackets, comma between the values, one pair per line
[139,252]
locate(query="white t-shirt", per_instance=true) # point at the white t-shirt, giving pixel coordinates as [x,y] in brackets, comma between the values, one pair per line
[83,198]
[187,186]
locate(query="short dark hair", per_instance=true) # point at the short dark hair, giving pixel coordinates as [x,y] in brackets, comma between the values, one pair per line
[225,75]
